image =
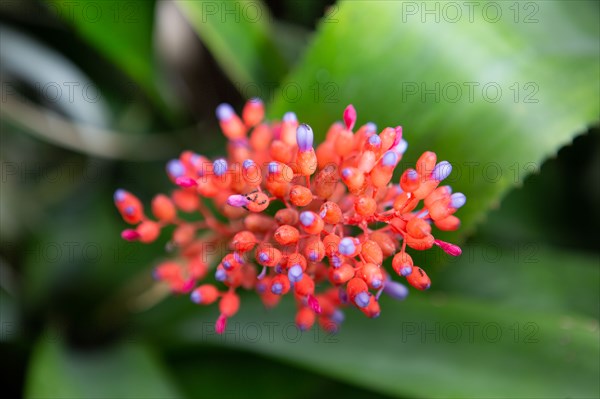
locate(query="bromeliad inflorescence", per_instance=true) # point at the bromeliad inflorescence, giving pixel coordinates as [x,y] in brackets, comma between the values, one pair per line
[339,217]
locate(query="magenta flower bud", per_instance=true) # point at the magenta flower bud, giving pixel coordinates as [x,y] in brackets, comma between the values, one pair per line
[185,182]
[313,303]
[237,200]
[130,235]
[350,117]
[221,324]
[304,137]
[398,137]
[450,249]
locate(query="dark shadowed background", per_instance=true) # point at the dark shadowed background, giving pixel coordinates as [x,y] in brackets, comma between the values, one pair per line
[97,95]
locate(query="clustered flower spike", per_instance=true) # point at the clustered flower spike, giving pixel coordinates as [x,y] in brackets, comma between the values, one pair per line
[339,217]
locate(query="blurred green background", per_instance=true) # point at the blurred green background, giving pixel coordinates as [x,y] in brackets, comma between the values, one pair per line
[97,95]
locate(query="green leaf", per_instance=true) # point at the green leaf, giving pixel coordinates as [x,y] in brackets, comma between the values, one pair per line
[122,31]
[398,65]
[261,377]
[238,34]
[122,371]
[435,347]
[525,274]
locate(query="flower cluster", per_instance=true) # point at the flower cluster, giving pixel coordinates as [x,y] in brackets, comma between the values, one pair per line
[316,224]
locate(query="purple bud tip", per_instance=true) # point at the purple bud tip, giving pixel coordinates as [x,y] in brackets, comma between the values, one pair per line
[401,147]
[277,288]
[376,283]
[338,316]
[346,172]
[120,195]
[227,264]
[307,218]
[224,112]
[289,117]
[238,258]
[248,163]
[304,137]
[255,100]
[263,257]
[185,182]
[220,274]
[423,214]
[441,170]
[457,200]
[237,200]
[362,299]
[314,304]
[278,269]
[390,158]
[412,174]
[346,246]
[371,127]
[406,271]
[196,297]
[220,167]
[343,295]
[156,275]
[295,273]
[175,168]
[261,287]
[129,210]
[313,256]
[273,167]
[396,290]
[375,140]
[336,261]
[262,274]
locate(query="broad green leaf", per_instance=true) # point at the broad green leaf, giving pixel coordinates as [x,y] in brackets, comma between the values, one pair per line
[121,31]
[261,377]
[116,372]
[238,34]
[435,347]
[494,95]
[525,274]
